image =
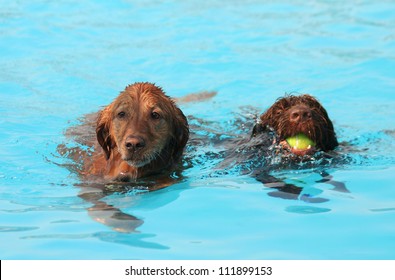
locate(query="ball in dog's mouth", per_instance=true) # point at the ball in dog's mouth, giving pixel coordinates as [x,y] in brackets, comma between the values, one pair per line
[300,144]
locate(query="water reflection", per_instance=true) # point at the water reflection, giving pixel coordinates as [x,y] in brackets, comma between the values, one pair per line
[111,215]
[136,240]
[107,214]
[305,191]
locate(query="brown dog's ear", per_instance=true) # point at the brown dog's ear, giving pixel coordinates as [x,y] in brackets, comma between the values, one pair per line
[103,131]
[329,139]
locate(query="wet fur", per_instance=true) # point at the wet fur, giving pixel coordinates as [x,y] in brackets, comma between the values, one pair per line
[317,127]
[141,111]
[277,124]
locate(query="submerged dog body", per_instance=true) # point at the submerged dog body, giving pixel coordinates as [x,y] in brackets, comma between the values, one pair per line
[141,133]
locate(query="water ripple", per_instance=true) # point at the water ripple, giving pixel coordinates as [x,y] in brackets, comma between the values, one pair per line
[306,210]
[16,229]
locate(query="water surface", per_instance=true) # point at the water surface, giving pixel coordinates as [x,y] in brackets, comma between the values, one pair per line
[61,60]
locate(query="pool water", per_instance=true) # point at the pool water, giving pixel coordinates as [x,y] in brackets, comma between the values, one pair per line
[60,60]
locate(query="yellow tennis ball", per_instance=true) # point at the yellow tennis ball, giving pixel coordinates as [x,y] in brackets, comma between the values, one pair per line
[300,141]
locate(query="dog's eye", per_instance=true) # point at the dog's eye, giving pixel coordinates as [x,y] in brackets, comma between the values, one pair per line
[155,115]
[279,111]
[121,114]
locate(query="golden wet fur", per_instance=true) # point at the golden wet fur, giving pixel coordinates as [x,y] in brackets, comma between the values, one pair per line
[142,132]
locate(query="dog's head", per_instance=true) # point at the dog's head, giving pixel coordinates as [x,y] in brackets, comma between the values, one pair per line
[143,125]
[294,115]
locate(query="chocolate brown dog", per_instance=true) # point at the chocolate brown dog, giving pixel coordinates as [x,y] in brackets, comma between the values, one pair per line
[294,115]
[288,117]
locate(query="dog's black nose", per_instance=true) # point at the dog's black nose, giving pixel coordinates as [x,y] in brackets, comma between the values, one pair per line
[134,143]
[299,114]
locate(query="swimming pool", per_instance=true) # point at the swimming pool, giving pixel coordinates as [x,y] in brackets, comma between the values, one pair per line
[64,59]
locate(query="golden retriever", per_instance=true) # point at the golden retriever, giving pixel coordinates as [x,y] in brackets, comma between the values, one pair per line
[141,133]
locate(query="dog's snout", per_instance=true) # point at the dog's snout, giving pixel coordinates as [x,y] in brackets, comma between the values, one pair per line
[134,143]
[299,114]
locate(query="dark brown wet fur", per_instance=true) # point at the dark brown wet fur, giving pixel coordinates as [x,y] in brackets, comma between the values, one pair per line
[288,116]
[291,115]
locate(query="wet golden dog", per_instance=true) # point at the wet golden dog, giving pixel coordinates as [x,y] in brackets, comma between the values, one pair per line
[141,133]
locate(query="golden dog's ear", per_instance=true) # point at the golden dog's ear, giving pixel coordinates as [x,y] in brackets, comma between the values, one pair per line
[180,134]
[103,131]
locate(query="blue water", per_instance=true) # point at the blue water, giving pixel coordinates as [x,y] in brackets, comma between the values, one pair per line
[63,59]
